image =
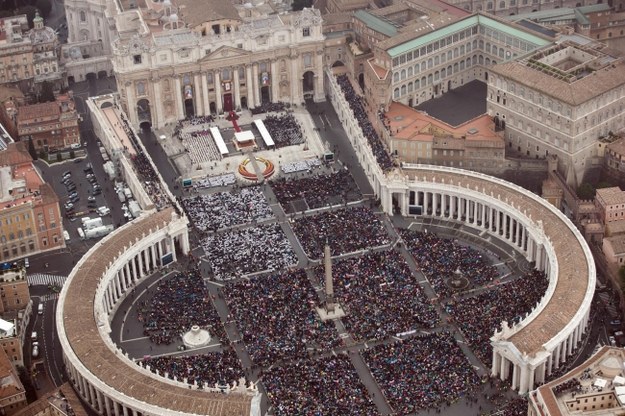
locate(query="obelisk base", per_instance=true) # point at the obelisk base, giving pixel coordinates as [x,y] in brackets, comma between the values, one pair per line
[326,315]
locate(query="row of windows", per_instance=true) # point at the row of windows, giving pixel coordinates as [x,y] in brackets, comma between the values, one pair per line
[496,35]
[13,250]
[20,235]
[449,55]
[438,75]
[434,46]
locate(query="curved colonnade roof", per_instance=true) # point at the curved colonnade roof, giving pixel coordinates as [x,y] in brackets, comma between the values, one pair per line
[573,267]
[84,337]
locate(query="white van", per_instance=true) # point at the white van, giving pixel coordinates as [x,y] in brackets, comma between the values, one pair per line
[81,233]
[33,336]
[40,309]
[102,211]
[66,236]
[75,146]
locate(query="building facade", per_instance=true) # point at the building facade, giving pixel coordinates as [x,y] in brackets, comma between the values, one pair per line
[172,63]
[416,137]
[30,220]
[594,387]
[51,125]
[560,100]
[12,392]
[611,204]
[418,69]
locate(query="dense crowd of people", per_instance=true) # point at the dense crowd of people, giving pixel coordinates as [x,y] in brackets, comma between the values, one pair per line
[514,407]
[356,103]
[568,386]
[235,253]
[268,107]
[318,190]
[421,372]
[380,295]
[151,182]
[193,121]
[179,302]
[213,370]
[346,230]
[479,316]
[284,129]
[441,259]
[324,386]
[219,210]
[276,317]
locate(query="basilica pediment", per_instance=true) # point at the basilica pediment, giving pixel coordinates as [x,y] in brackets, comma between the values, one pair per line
[225,52]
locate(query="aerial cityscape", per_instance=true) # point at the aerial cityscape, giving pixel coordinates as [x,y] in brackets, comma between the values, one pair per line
[312,207]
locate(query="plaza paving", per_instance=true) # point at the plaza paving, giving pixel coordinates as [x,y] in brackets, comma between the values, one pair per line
[128,331]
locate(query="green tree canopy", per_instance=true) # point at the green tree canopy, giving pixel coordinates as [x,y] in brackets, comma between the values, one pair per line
[47,92]
[586,191]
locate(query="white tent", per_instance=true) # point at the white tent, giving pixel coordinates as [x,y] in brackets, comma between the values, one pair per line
[600,382]
[7,328]
[619,381]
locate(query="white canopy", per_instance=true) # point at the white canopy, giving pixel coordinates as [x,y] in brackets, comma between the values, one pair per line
[619,381]
[600,382]
[7,328]
[244,136]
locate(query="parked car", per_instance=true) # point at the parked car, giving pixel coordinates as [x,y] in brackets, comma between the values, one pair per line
[97,191]
[35,349]
[615,322]
[90,198]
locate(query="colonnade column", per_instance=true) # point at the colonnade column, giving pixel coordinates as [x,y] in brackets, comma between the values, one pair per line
[178,94]
[275,82]
[140,259]
[134,269]
[452,210]
[237,89]
[296,81]
[218,97]
[255,85]
[153,252]
[157,118]
[198,91]
[251,101]
[207,108]
[132,102]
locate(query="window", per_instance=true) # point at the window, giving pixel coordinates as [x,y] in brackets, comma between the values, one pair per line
[83,16]
[307,60]
[136,59]
[306,31]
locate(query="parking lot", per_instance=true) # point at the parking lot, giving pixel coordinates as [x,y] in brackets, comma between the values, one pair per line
[83,188]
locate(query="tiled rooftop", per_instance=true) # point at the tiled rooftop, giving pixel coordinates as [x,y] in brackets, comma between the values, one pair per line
[83,335]
[573,278]
[611,196]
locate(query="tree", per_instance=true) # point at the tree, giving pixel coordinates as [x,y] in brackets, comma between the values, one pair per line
[44,6]
[47,92]
[586,191]
[300,4]
[31,148]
